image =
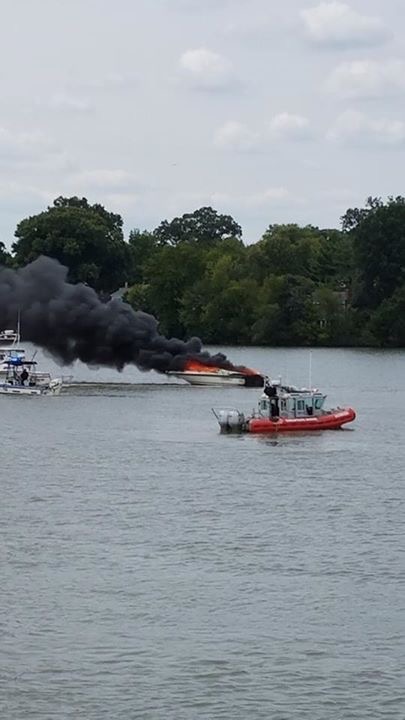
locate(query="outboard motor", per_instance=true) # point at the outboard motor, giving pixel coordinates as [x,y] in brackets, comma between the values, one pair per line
[231,420]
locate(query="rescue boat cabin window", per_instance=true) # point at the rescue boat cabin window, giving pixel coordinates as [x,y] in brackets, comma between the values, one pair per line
[264,405]
[319,402]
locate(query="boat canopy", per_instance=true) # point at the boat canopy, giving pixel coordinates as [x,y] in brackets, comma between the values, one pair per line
[18,362]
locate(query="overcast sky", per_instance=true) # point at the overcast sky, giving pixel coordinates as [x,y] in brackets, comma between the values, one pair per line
[271,111]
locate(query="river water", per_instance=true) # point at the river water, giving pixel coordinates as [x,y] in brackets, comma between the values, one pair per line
[152,568]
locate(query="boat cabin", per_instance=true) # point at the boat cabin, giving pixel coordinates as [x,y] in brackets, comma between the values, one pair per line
[7,336]
[21,372]
[290,402]
[11,353]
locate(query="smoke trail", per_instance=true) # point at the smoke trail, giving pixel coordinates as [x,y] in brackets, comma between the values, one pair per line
[72,323]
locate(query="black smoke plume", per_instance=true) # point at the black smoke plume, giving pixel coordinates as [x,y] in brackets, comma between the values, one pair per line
[72,323]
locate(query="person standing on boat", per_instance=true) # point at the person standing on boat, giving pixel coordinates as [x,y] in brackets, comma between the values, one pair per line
[271,391]
[24,376]
[269,388]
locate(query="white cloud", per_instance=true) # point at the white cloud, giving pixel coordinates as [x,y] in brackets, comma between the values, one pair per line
[111,180]
[207,70]
[235,136]
[269,196]
[289,126]
[200,6]
[23,149]
[234,203]
[65,101]
[108,81]
[336,23]
[367,78]
[124,202]
[25,145]
[250,27]
[13,188]
[354,127]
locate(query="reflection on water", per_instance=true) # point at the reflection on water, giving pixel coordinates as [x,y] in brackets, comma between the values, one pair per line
[154,568]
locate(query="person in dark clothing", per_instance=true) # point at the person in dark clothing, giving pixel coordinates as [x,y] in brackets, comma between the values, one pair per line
[269,389]
[271,392]
[24,376]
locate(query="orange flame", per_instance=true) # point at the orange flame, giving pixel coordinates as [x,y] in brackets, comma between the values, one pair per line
[195,366]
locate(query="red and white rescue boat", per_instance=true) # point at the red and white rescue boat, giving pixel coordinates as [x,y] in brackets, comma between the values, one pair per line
[284,408]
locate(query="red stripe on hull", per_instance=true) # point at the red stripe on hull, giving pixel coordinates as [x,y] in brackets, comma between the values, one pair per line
[329,421]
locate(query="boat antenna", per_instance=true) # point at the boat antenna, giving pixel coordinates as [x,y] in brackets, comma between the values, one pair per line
[18,326]
[310,370]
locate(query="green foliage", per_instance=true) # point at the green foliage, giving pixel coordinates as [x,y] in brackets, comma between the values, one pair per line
[142,246]
[287,249]
[388,322]
[169,274]
[295,286]
[285,290]
[378,235]
[204,226]
[5,257]
[138,297]
[86,238]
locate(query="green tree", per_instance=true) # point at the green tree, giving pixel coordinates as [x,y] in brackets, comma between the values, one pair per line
[287,249]
[378,234]
[335,258]
[86,238]
[142,246]
[204,226]
[206,302]
[387,324]
[229,313]
[5,257]
[169,273]
[138,297]
[297,320]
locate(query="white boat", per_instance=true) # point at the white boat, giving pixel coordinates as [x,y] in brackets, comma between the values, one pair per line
[22,378]
[13,352]
[9,336]
[215,377]
[9,353]
[9,342]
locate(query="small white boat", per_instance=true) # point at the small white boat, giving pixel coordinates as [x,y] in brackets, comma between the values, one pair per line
[22,378]
[9,336]
[217,377]
[9,342]
[6,354]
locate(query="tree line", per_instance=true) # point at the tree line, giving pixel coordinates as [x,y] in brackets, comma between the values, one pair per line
[295,286]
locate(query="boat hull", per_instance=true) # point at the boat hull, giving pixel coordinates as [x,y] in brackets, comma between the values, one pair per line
[54,388]
[201,378]
[329,421]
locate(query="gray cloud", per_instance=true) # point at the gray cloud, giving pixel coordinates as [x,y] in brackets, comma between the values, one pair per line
[205,69]
[154,108]
[353,126]
[368,78]
[336,23]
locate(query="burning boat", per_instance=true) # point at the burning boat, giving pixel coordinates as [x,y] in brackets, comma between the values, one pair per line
[198,373]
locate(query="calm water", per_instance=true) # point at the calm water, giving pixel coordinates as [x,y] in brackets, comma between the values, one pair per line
[154,569]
